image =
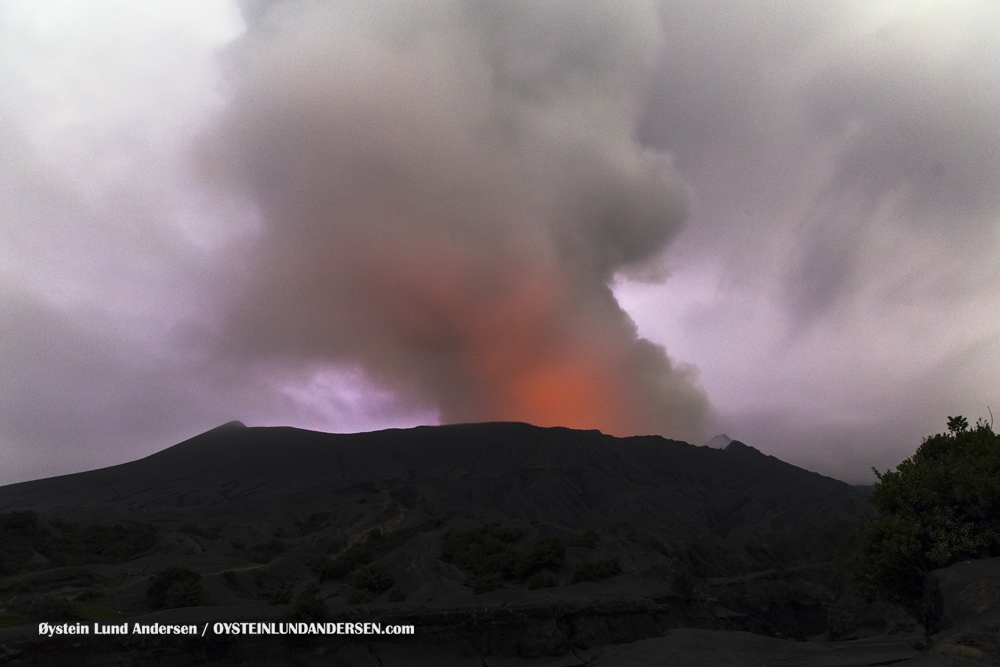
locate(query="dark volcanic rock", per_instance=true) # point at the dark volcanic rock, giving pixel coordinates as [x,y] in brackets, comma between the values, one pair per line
[690,647]
[579,479]
[961,592]
[962,610]
[689,536]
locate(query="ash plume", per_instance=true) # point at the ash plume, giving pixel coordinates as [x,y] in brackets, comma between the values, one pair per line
[446,192]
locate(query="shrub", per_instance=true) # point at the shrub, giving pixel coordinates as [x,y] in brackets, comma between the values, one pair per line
[175,587]
[396,595]
[359,596]
[78,544]
[96,543]
[486,582]
[939,506]
[24,522]
[49,608]
[280,596]
[374,577]
[346,562]
[541,580]
[597,570]
[482,550]
[308,607]
[549,552]
[589,540]
[312,523]
[652,542]
[488,554]
[265,552]
[682,582]
[194,529]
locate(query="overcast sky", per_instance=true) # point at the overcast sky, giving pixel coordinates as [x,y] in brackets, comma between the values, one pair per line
[774,219]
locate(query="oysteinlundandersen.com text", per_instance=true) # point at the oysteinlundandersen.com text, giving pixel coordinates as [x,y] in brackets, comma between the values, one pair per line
[222,628]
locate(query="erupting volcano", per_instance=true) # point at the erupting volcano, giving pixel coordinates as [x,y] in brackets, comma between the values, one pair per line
[446,194]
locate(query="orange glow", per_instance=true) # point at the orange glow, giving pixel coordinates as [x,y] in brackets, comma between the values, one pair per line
[564,397]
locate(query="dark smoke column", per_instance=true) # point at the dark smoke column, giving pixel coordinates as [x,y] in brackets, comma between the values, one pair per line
[447,189]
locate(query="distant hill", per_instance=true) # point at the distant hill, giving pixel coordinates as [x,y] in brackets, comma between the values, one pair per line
[666,533]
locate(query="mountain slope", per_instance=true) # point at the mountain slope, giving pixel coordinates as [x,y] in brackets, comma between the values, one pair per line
[640,533]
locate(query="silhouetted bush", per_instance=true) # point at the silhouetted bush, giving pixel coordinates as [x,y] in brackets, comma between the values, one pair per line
[652,542]
[594,571]
[939,506]
[362,553]
[280,596]
[49,608]
[589,540]
[265,552]
[194,529]
[481,550]
[406,496]
[541,580]
[549,552]
[312,523]
[488,554]
[486,582]
[682,582]
[175,587]
[374,577]
[346,562]
[308,606]
[15,553]
[96,543]
[359,596]
[23,522]
[396,595]
[74,544]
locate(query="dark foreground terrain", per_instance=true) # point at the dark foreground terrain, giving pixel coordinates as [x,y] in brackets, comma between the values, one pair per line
[502,544]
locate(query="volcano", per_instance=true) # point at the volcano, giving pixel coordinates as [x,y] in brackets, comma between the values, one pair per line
[500,539]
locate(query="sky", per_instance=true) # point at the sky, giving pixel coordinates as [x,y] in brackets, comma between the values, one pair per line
[773,219]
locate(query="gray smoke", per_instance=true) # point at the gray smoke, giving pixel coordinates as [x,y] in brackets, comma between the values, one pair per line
[446,192]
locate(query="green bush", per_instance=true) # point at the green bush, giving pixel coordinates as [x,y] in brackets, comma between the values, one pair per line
[265,552]
[375,545]
[312,523]
[194,529]
[488,555]
[72,544]
[548,552]
[652,542]
[175,587]
[488,581]
[346,562]
[541,580]
[360,596]
[482,550]
[683,582]
[308,607]
[589,540]
[96,543]
[374,577]
[279,596]
[49,608]
[597,570]
[939,506]
[24,522]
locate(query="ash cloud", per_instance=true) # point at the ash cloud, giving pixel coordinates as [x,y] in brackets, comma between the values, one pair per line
[842,161]
[446,191]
